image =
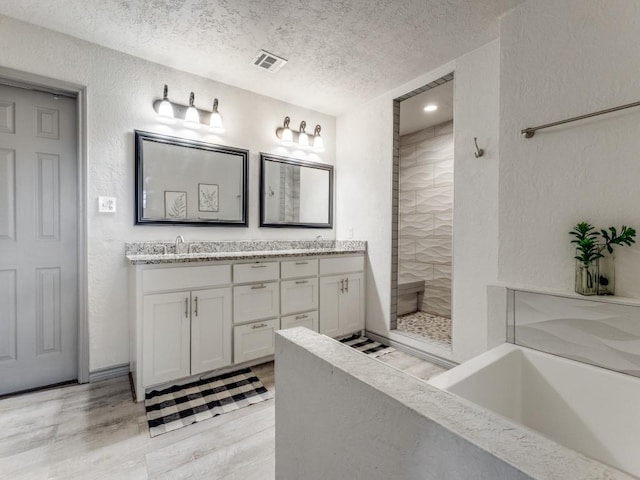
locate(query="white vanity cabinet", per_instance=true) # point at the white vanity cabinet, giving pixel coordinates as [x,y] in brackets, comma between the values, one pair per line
[185,333]
[196,318]
[341,295]
[181,323]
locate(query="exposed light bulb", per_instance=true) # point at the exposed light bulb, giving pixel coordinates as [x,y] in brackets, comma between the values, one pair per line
[430,108]
[192,117]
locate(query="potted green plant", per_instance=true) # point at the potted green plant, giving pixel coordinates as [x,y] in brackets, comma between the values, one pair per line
[606,264]
[587,255]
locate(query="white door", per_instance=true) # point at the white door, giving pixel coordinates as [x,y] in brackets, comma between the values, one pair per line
[38,240]
[210,329]
[166,337]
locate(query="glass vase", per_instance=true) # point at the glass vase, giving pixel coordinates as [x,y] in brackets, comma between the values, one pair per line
[606,275]
[587,277]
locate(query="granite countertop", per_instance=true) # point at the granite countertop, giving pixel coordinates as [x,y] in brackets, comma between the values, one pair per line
[147,253]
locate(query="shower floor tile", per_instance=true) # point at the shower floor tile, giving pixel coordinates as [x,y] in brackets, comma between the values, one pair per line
[430,327]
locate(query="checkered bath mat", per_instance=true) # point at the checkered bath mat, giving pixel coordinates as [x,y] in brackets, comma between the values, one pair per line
[182,405]
[366,345]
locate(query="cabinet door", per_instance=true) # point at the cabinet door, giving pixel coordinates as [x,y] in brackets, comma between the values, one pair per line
[165,337]
[330,293]
[299,295]
[352,304]
[254,302]
[210,329]
[254,340]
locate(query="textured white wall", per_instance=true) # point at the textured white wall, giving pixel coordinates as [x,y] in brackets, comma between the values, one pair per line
[364,183]
[562,59]
[120,91]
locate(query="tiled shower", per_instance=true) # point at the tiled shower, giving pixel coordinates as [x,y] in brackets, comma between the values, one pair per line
[426,221]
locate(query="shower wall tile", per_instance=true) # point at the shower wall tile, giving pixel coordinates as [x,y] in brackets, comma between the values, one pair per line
[407,155]
[418,137]
[426,214]
[443,173]
[441,277]
[437,301]
[443,129]
[407,202]
[416,270]
[433,250]
[434,199]
[417,176]
[407,249]
[416,224]
[438,149]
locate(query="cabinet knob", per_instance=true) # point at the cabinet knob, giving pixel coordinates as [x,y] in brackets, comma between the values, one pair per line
[298,282]
[300,317]
[258,287]
[302,263]
[262,265]
[262,325]
[195,300]
[346,284]
[186,307]
[342,286]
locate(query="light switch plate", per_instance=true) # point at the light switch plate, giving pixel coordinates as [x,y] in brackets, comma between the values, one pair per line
[107,204]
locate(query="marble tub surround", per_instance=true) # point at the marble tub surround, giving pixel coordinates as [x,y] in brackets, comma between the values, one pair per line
[442,435]
[164,252]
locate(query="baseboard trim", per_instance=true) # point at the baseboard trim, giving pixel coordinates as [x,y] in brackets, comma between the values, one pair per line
[109,372]
[411,350]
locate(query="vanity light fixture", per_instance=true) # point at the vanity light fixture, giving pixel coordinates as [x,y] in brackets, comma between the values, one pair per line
[285,134]
[165,109]
[215,124]
[318,144]
[192,116]
[300,139]
[431,108]
[303,138]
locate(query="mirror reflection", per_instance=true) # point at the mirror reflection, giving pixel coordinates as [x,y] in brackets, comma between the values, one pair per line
[185,181]
[295,193]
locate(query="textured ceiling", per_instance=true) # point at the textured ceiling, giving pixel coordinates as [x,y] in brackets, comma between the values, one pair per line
[341,52]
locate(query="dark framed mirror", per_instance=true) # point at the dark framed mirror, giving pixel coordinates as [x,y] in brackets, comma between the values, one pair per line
[294,193]
[187,182]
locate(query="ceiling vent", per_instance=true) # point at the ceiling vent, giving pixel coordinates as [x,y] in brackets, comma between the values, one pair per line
[268,61]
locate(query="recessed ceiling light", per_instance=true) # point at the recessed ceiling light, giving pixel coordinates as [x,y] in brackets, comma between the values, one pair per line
[430,108]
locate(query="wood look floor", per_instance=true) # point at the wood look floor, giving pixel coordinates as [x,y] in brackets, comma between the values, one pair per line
[95,431]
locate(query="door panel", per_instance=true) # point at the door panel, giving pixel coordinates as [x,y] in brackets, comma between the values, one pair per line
[166,337]
[352,304]
[330,305]
[210,329]
[38,239]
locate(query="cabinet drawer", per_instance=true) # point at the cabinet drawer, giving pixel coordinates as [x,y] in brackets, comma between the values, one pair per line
[331,266]
[299,268]
[185,278]
[254,340]
[253,302]
[307,319]
[299,295]
[256,272]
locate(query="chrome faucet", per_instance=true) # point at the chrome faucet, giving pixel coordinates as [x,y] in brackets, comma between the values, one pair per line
[179,241]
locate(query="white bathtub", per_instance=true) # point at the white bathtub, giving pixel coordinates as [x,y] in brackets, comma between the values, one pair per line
[588,409]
